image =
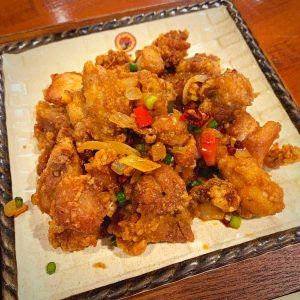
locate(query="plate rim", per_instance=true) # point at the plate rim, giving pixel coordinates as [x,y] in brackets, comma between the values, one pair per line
[175,271]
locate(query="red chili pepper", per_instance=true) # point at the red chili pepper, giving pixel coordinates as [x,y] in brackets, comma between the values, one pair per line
[194,117]
[142,116]
[207,144]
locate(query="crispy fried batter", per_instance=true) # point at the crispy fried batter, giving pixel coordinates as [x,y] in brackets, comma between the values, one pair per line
[134,231]
[63,162]
[150,59]
[285,155]
[173,46]
[259,142]
[113,59]
[103,96]
[186,155]
[220,193]
[162,192]
[151,84]
[243,125]
[61,87]
[260,196]
[227,92]
[171,130]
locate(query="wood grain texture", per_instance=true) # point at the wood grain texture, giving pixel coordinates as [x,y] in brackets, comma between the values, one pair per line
[263,277]
[276,26]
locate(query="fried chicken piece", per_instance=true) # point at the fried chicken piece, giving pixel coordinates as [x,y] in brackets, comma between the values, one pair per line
[63,162]
[243,125]
[49,120]
[186,155]
[287,154]
[220,193]
[150,59]
[228,92]
[161,192]
[198,64]
[260,196]
[134,231]
[170,130]
[255,138]
[173,46]
[70,240]
[151,84]
[103,96]
[259,142]
[113,59]
[62,84]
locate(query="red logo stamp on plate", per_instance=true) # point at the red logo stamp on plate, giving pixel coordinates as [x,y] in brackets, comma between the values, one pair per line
[125,41]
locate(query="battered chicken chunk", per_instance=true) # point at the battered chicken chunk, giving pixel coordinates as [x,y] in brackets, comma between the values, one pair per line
[260,196]
[259,142]
[63,162]
[256,139]
[103,96]
[220,193]
[228,92]
[171,130]
[285,155]
[186,155]
[173,46]
[151,84]
[134,231]
[61,87]
[243,125]
[203,64]
[49,120]
[161,192]
[113,59]
[150,59]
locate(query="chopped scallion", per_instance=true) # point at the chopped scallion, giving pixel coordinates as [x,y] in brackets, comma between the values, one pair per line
[132,67]
[18,202]
[235,222]
[121,198]
[168,159]
[212,124]
[51,268]
[150,101]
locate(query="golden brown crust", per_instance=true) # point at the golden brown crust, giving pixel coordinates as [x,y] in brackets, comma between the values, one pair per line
[173,46]
[285,155]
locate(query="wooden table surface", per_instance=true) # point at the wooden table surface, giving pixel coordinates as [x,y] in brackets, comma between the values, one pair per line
[276,26]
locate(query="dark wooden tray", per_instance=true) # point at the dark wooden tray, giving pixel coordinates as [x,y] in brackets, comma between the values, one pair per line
[173,272]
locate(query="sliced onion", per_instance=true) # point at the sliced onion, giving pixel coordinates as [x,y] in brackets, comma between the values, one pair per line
[122,120]
[133,93]
[118,168]
[197,78]
[141,164]
[119,147]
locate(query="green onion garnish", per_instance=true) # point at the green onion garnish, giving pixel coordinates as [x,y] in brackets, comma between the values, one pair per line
[113,241]
[51,268]
[168,159]
[198,130]
[212,124]
[132,67]
[235,222]
[193,183]
[140,147]
[150,101]
[18,201]
[121,198]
